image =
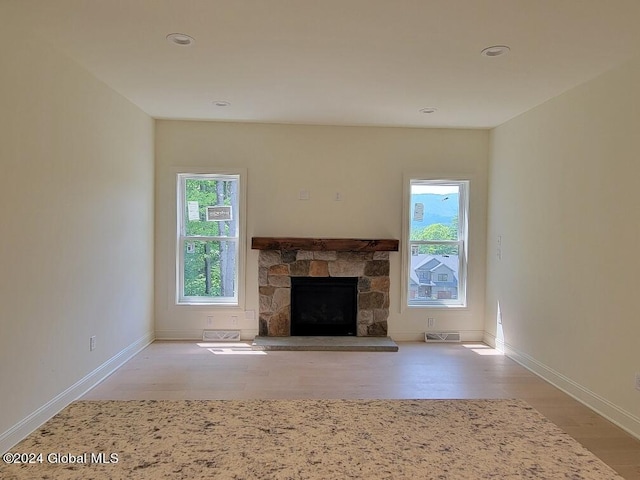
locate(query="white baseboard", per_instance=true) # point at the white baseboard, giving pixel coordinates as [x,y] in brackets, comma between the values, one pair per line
[178,334]
[249,334]
[465,336]
[623,419]
[195,335]
[27,425]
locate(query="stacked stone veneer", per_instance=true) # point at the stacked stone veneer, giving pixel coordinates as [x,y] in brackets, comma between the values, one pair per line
[276,267]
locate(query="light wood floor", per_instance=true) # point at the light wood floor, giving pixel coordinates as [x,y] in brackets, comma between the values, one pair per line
[188,370]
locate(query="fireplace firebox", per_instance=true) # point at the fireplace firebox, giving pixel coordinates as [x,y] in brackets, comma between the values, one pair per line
[324,306]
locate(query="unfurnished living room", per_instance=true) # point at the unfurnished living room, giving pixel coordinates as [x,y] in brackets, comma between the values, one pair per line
[295,239]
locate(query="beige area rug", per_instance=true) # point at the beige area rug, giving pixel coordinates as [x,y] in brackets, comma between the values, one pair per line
[304,439]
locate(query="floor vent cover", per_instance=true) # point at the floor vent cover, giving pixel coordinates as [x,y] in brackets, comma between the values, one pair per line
[221,335]
[442,337]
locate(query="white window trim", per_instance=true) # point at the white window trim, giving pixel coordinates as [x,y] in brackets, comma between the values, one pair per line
[232,302]
[463,229]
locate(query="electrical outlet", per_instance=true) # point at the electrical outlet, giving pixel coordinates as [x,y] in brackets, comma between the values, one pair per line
[637,381]
[92,343]
[431,322]
[234,320]
[209,320]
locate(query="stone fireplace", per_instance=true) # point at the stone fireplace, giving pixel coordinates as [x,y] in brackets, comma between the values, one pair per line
[281,259]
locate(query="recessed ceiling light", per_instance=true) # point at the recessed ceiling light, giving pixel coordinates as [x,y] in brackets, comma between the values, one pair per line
[180,39]
[495,51]
[221,103]
[428,110]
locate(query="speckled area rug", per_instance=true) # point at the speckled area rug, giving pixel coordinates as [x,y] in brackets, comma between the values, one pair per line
[302,439]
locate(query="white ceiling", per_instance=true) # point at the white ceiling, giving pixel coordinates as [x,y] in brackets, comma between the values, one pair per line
[338,62]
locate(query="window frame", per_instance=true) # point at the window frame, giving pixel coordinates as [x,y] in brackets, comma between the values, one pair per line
[463,241]
[239,238]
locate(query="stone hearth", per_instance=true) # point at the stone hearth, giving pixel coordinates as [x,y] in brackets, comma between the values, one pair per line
[281,259]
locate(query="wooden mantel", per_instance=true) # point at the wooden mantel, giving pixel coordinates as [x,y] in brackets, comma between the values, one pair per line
[325,244]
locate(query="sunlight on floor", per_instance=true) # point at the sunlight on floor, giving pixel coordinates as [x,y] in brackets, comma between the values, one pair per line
[482,349]
[230,348]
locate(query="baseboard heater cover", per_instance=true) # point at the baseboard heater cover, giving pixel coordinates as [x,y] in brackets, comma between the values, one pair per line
[442,336]
[221,335]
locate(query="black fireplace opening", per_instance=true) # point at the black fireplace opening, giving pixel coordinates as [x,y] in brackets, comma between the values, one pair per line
[324,306]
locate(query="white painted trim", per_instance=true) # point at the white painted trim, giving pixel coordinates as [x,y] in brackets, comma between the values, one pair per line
[179,173]
[250,334]
[196,334]
[620,417]
[465,336]
[463,225]
[36,419]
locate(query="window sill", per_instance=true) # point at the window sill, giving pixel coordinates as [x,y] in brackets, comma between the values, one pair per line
[440,306]
[209,304]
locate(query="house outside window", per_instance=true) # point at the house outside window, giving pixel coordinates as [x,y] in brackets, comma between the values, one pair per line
[436,243]
[210,221]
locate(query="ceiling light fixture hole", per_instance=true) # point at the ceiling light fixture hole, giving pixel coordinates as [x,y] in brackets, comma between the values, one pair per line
[221,103]
[180,39]
[495,51]
[428,110]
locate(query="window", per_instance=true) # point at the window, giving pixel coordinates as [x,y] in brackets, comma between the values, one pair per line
[436,243]
[208,244]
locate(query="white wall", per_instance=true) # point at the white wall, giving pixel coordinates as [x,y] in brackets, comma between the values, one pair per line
[365,164]
[564,198]
[76,203]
